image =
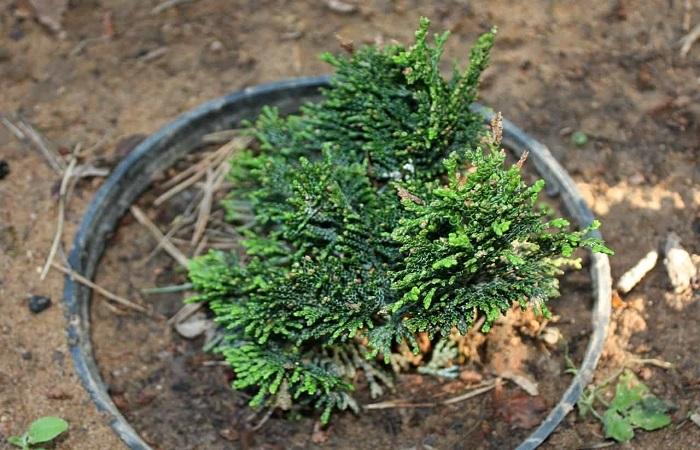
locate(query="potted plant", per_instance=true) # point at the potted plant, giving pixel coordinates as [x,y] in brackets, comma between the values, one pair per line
[381,212]
[380,215]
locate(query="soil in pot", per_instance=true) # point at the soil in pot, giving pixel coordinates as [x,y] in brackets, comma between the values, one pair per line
[177,396]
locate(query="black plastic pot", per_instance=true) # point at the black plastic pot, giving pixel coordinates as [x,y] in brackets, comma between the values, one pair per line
[135,173]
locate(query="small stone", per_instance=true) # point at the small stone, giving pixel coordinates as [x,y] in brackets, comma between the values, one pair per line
[4,169]
[636,179]
[38,303]
[216,46]
[679,265]
[551,336]
[27,356]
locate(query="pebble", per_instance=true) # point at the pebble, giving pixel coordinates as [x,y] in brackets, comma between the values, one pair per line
[38,303]
[216,46]
[4,169]
[679,265]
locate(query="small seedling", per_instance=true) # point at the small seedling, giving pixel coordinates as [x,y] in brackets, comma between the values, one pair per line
[42,430]
[632,407]
[579,138]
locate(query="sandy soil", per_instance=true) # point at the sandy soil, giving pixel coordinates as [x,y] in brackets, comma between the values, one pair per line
[609,68]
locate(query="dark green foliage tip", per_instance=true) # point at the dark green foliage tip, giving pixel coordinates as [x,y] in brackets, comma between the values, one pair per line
[382,211]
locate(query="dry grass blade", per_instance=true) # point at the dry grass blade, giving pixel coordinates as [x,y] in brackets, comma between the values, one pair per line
[183,313]
[163,241]
[652,362]
[466,396]
[102,291]
[61,217]
[689,39]
[176,225]
[167,5]
[196,172]
[480,389]
[221,137]
[30,136]
[204,209]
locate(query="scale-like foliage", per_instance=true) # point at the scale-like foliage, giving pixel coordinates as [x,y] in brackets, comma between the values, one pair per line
[382,211]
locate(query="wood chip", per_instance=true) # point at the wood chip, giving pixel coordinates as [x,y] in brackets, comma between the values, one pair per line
[525,383]
[634,275]
[689,39]
[102,291]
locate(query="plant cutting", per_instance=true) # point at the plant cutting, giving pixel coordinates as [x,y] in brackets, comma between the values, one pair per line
[383,213]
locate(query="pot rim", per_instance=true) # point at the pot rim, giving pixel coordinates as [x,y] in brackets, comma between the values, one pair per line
[161,149]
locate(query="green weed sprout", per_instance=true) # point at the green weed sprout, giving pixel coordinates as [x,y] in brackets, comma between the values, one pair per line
[41,431]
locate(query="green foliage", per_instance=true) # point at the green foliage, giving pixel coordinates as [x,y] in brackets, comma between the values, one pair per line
[383,211]
[579,138]
[42,430]
[633,407]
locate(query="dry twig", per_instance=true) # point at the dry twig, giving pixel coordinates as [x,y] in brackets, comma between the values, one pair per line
[102,291]
[689,39]
[194,173]
[167,5]
[481,388]
[204,209]
[30,136]
[62,195]
[163,241]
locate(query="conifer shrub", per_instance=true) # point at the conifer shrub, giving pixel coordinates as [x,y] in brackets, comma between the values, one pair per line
[383,211]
